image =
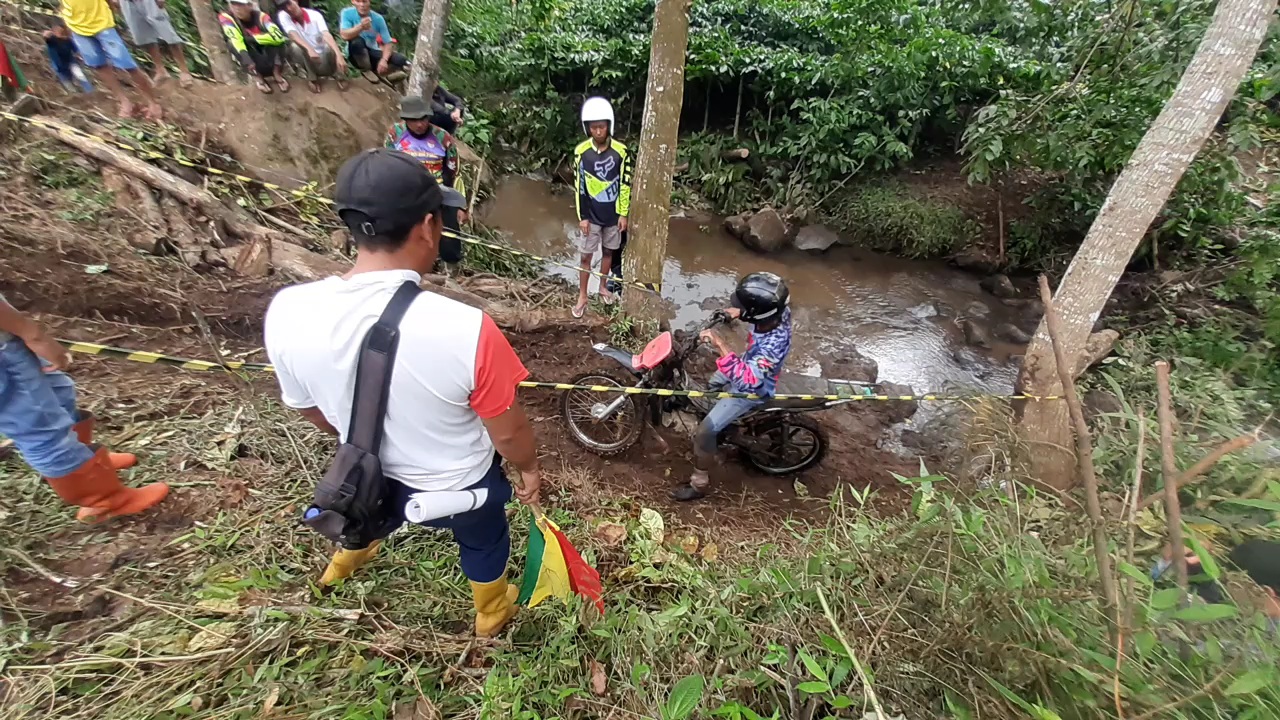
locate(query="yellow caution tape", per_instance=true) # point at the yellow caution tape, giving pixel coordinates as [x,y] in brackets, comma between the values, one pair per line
[154,155]
[153,358]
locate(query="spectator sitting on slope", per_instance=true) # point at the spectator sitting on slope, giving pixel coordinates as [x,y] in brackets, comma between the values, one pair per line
[370,46]
[256,42]
[313,48]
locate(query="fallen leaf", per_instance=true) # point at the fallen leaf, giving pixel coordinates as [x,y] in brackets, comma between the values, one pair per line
[212,636]
[222,606]
[661,556]
[96,269]
[423,709]
[233,492]
[689,544]
[599,683]
[270,703]
[801,490]
[611,534]
[710,552]
[651,521]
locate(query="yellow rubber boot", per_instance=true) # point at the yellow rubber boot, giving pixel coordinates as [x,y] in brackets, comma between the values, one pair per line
[346,562]
[495,605]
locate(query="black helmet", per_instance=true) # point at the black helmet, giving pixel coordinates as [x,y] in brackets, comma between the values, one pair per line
[760,296]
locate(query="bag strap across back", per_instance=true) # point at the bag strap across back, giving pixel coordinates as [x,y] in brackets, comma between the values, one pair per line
[373,372]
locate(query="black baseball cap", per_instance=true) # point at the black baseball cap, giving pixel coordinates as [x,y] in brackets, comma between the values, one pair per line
[383,191]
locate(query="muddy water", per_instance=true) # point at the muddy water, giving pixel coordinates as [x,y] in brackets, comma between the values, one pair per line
[904,314]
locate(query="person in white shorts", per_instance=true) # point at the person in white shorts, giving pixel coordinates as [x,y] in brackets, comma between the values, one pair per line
[149,24]
[602,170]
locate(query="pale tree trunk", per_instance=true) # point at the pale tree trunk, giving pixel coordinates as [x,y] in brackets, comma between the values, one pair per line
[424,72]
[651,185]
[1170,144]
[211,37]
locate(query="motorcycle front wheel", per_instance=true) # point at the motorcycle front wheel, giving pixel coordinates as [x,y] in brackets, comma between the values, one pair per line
[785,445]
[582,411]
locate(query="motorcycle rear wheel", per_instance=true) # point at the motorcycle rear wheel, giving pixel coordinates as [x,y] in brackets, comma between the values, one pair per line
[607,437]
[785,445]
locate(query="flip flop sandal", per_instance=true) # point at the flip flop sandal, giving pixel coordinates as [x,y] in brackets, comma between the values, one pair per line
[579,310]
[263,87]
[284,84]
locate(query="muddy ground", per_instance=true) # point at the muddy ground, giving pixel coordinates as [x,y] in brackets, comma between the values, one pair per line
[67,261]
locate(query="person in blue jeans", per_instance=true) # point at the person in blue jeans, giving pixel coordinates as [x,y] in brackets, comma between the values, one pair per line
[370,46]
[64,59]
[760,299]
[38,413]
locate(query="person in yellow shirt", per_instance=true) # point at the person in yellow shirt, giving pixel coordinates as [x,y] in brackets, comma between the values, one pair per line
[93,30]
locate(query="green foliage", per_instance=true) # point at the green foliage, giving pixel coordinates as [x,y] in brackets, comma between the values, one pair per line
[56,169]
[828,88]
[888,216]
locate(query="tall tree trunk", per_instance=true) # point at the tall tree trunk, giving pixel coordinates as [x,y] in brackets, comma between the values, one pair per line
[1170,144]
[651,186]
[212,40]
[425,71]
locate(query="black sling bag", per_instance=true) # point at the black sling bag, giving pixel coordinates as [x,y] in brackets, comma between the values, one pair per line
[352,505]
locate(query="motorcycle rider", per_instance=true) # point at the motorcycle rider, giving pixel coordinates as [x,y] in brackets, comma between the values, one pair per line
[760,299]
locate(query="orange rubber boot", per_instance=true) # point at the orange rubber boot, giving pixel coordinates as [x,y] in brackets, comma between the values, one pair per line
[84,432]
[96,488]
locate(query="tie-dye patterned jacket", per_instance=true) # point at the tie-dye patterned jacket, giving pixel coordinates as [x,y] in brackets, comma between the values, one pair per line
[757,369]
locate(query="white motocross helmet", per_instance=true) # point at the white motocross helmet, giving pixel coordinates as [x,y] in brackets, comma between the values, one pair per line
[596,109]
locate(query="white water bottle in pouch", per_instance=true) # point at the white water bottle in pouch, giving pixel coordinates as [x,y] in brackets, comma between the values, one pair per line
[426,506]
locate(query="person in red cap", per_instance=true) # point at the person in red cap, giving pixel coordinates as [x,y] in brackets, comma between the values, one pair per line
[38,413]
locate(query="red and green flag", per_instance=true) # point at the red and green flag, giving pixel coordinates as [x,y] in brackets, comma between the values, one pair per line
[10,71]
[554,568]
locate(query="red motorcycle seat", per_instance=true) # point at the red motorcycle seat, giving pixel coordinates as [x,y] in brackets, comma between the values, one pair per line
[654,353]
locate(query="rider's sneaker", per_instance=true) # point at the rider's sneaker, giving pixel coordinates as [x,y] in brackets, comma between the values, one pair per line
[686,493]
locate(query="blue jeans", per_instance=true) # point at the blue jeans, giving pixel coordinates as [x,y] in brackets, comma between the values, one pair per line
[483,535]
[37,412]
[105,48]
[722,415]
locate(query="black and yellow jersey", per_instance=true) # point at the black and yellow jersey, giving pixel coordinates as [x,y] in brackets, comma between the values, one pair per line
[604,182]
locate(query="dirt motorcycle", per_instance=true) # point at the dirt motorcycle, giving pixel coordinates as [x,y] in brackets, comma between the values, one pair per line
[776,437]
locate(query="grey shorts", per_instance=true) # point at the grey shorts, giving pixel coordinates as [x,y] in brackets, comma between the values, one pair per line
[597,236]
[148,23]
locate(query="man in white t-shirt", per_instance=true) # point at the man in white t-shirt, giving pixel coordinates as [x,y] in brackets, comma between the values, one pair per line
[451,409]
[313,47]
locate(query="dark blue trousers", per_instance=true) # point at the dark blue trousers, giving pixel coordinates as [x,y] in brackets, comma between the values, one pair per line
[483,535]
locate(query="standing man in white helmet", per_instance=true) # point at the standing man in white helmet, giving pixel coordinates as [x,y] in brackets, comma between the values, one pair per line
[602,170]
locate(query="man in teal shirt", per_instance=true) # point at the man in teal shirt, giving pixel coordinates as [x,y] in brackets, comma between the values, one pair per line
[370,46]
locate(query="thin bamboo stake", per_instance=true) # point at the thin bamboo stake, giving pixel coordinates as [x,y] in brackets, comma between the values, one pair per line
[1084,453]
[1169,466]
[1127,614]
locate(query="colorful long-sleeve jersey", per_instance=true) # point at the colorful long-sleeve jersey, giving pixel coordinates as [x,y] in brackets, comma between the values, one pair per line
[603,179]
[757,369]
[258,30]
[437,152]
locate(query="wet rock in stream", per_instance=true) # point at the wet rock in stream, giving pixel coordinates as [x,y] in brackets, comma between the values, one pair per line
[851,365]
[999,285]
[766,232]
[816,238]
[976,260]
[892,412]
[1012,333]
[736,225]
[975,334]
